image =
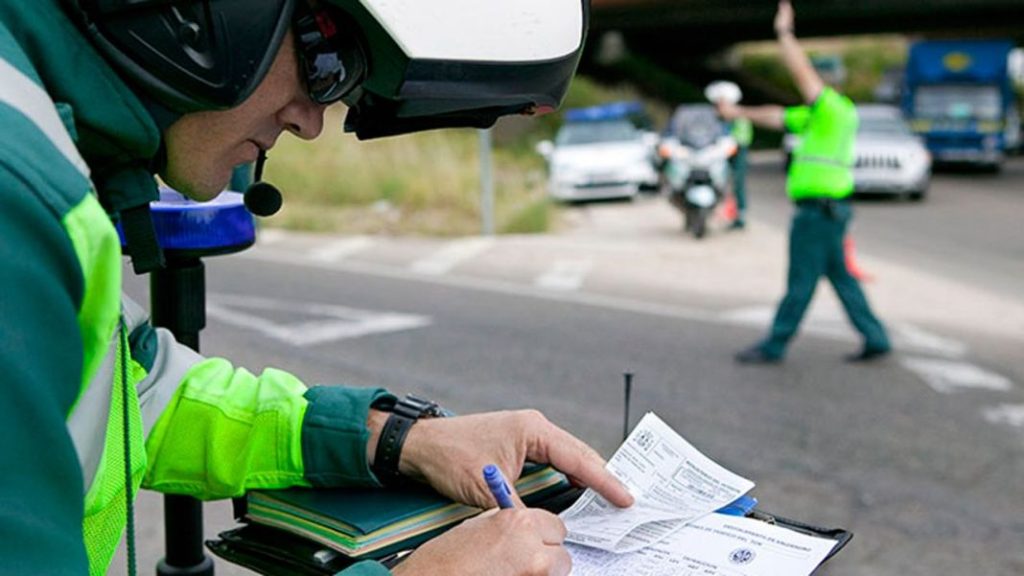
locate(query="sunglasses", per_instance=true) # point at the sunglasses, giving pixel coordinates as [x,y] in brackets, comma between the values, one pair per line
[330,58]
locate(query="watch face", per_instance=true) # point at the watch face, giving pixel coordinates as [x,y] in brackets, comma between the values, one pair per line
[423,408]
[436,411]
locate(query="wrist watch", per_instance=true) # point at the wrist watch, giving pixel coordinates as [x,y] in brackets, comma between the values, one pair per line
[404,413]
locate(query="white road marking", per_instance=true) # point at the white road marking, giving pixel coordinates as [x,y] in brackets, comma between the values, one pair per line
[758,316]
[497,287]
[266,236]
[329,322]
[749,315]
[340,249]
[1011,414]
[453,254]
[565,275]
[949,376]
[909,336]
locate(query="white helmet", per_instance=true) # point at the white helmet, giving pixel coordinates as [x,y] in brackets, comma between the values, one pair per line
[723,91]
[401,65]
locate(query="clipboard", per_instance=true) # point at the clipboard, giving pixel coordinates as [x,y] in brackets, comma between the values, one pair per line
[274,552]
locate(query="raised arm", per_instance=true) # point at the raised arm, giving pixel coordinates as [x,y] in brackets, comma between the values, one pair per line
[767,116]
[799,65]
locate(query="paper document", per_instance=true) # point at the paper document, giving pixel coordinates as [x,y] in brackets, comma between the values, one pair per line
[715,545]
[673,484]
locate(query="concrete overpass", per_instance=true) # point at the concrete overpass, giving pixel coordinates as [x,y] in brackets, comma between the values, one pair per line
[723,22]
[679,35]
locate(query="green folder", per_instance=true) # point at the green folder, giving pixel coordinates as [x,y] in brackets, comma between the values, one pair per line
[373,523]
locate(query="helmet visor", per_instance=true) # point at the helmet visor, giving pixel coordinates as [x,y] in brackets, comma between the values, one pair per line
[329,57]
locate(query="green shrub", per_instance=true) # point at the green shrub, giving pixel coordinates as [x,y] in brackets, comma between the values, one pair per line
[532,218]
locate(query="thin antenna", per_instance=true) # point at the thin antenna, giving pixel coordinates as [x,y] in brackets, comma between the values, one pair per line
[628,376]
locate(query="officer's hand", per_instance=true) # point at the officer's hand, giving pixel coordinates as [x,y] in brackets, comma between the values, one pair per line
[450,454]
[514,542]
[784,17]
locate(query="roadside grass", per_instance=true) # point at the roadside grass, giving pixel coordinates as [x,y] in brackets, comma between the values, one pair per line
[422,184]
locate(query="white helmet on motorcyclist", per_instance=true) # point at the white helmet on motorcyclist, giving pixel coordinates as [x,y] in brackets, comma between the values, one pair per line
[723,91]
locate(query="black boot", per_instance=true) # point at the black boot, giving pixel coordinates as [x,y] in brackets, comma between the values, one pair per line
[756,355]
[869,354]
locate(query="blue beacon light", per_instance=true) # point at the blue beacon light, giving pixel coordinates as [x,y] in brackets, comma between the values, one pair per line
[604,112]
[185,228]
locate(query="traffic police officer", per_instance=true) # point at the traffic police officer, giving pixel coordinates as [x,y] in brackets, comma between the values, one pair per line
[742,132]
[819,182]
[96,96]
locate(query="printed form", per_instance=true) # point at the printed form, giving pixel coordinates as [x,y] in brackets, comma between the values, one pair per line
[672,482]
[715,545]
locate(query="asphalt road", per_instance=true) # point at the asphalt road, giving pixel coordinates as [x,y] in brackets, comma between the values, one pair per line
[926,481]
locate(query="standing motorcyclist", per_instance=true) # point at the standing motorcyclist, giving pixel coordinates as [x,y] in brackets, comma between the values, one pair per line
[95,97]
[742,131]
[820,180]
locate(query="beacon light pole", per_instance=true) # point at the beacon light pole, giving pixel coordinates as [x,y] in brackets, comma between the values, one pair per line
[188,232]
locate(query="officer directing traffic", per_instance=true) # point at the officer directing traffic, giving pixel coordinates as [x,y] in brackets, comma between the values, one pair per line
[96,96]
[819,182]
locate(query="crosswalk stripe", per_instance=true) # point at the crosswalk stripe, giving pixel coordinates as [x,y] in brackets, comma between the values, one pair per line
[312,323]
[451,255]
[910,336]
[1010,414]
[565,275]
[267,236]
[948,376]
[340,249]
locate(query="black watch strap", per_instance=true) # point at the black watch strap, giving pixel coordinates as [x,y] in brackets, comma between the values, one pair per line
[403,415]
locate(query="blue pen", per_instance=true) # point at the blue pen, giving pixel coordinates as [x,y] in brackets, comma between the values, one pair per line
[499,487]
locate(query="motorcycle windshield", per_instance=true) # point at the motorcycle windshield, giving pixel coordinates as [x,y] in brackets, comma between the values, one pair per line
[696,126]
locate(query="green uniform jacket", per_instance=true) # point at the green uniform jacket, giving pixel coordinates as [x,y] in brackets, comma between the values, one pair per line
[823,161]
[742,131]
[79,364]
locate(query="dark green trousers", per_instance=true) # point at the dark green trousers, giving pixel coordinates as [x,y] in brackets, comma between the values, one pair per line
[739,181]
[816,250]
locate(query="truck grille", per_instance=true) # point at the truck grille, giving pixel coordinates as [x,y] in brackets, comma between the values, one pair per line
[878,161]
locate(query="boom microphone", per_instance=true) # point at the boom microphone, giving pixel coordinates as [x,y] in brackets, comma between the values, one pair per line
[262,198]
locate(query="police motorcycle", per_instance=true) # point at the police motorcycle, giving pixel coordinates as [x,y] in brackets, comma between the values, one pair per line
[696,151]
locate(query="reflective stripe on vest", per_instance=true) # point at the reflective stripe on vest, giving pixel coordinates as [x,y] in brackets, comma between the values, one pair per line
[105,504]
[88,422]
[24,95]
[820,160]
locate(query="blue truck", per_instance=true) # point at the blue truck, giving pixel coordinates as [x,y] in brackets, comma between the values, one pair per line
[958,96]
